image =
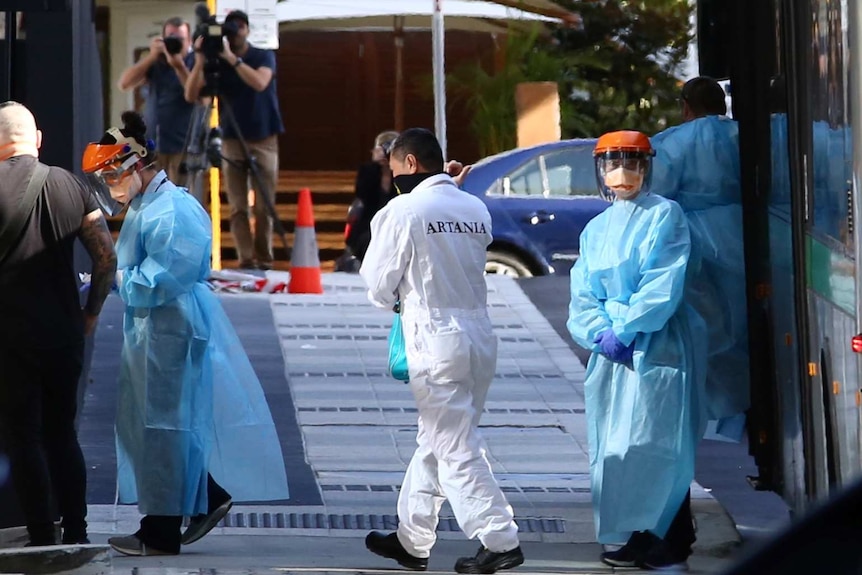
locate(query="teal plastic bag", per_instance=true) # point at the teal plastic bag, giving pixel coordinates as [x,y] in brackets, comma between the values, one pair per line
[398,351]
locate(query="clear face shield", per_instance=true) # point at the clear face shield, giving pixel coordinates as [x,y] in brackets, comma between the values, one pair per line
[111,173]
[622,175]
[111,186]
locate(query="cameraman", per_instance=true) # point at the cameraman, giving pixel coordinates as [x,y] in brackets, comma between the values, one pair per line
[166,68]
[246,82]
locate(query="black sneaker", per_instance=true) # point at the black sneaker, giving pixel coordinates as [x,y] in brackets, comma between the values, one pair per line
[388,546]
[630,554]
[200,525]
[131,545]
[660,557]
[487,561]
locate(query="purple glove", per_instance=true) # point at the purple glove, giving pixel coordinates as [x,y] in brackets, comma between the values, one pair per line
[613,348]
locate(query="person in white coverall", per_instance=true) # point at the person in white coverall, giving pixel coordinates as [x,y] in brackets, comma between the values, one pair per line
[428,251]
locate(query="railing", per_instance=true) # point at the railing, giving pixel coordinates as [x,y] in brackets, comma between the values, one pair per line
[331,192]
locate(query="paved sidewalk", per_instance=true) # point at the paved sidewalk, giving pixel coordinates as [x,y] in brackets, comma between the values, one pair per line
[358,431]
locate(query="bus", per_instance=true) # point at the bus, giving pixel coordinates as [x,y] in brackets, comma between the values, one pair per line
[794,70]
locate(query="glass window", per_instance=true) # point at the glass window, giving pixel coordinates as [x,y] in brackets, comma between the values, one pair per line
[560,173]
[571,172]
[832,153]
[525,180]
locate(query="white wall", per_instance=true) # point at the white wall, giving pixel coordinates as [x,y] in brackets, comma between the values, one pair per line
[133,24]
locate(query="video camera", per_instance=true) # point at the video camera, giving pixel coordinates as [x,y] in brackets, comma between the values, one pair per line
[212,32]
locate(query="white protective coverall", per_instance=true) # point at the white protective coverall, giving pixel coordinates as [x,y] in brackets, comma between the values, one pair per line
[428,249]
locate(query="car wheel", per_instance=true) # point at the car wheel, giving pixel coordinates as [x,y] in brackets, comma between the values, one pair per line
[506,264]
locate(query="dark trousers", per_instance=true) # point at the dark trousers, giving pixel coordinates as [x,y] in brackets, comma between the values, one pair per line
[680,535]
[38,400]
[162,532]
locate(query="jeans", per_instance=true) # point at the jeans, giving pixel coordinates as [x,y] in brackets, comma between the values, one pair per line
[38,401]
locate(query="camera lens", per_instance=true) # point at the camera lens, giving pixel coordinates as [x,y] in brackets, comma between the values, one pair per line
[173,44]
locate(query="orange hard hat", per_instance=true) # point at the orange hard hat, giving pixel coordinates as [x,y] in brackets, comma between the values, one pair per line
[623,141]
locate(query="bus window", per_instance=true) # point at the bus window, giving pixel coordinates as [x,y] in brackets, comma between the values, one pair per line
[830,133]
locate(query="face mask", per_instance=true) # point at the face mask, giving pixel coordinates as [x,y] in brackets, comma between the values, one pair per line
[406,183]
[127,188]
[625,184]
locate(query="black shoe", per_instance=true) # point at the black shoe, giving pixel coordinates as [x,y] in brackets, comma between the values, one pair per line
[487,561]
[632,553]
[131,545]
[200,525]
[660,557]
[75,540]
[388,546]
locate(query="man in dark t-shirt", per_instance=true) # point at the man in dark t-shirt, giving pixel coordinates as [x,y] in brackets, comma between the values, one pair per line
[247,85]
[167,112]
[42,339]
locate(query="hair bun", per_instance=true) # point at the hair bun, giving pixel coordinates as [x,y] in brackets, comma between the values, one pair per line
[134,125]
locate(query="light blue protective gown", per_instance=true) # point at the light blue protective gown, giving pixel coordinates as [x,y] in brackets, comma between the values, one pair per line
[697,165]
[644,422]
[189,400]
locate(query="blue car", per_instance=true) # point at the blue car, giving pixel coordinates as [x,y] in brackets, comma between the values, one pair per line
[540,198]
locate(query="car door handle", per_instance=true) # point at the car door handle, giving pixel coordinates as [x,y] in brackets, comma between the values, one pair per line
[539,217]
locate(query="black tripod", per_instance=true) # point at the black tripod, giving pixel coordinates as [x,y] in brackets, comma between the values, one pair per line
[203,149]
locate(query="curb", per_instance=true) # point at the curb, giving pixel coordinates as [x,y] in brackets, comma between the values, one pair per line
[67,559]
[717,535]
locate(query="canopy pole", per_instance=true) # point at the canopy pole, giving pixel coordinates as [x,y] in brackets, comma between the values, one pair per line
[399,73]
[438,44]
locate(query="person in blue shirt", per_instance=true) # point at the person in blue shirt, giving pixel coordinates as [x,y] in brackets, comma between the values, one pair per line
[247,86]
[164,70]
[191,413]
[644,378]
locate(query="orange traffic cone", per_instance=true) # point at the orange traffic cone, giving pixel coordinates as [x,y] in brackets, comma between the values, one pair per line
[305,261]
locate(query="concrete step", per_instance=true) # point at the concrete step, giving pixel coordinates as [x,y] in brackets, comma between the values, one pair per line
[66,559]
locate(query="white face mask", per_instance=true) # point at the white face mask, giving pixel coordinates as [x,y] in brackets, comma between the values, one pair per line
[625,184]
[127,189]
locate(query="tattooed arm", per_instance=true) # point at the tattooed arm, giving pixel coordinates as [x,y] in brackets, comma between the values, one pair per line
[97,240]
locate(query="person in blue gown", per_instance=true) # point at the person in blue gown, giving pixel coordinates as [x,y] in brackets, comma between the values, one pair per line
[644,380]
[697,165]
[193,429]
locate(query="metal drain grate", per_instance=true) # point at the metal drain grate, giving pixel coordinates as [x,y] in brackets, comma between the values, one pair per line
[334,337]
[506,488]
[335,325]
[366,521]
[494,410]
[369,326]
[340,374]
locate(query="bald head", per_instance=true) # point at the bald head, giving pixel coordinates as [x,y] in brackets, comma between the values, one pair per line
[18,133]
